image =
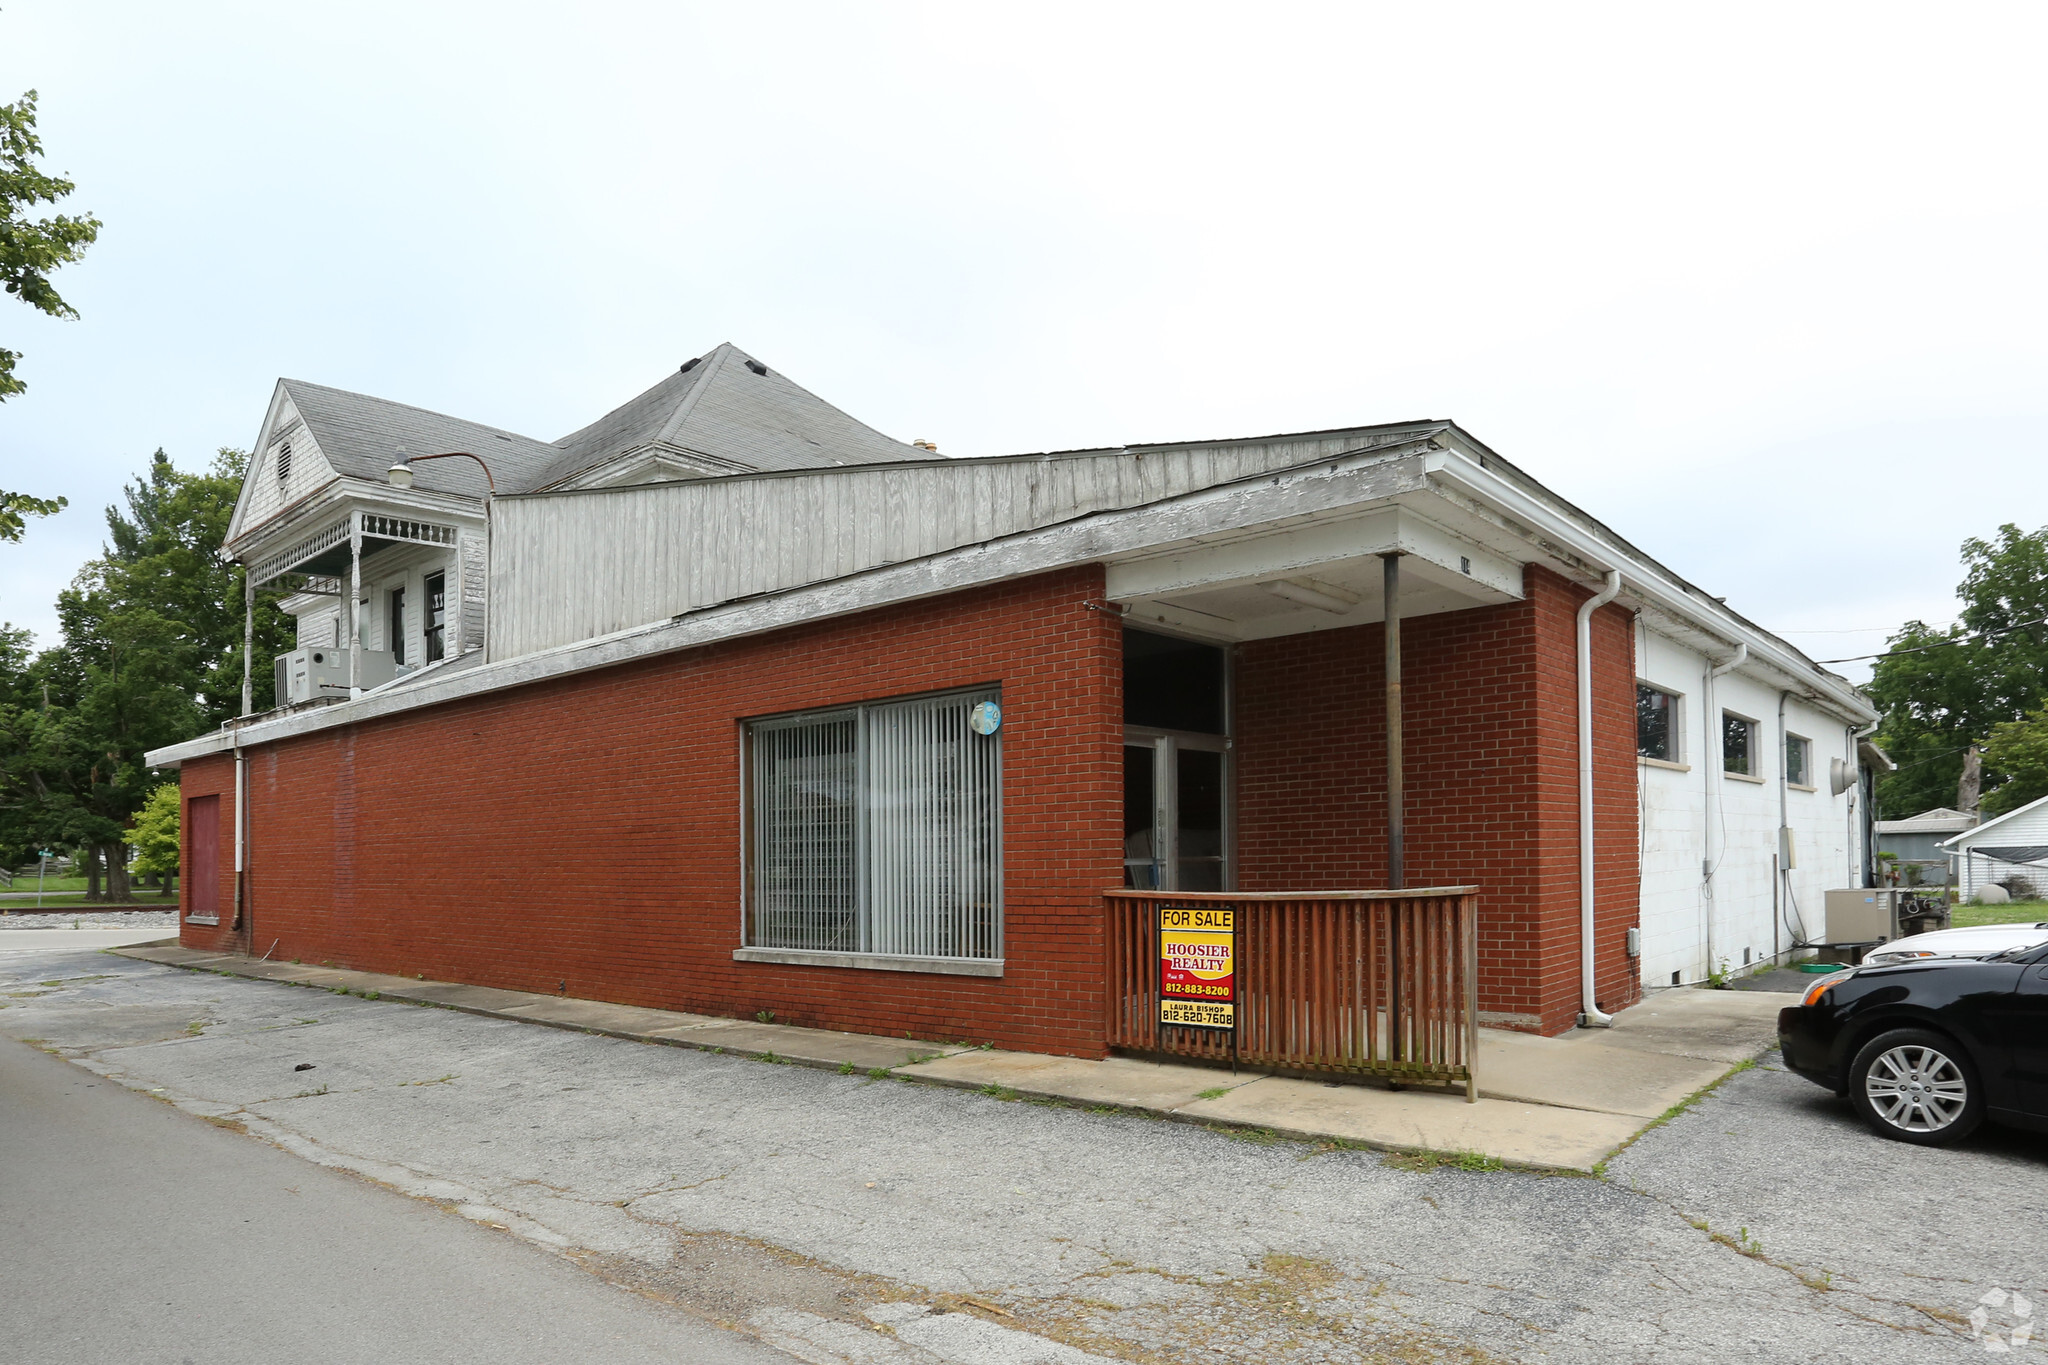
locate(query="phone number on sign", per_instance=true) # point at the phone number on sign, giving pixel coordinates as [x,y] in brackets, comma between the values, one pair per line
[1196,990]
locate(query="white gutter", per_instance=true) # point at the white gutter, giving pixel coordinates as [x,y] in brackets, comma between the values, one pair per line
[1467,476]
[1590,1015]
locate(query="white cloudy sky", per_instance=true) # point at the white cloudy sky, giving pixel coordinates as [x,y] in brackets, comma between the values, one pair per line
[1761,285]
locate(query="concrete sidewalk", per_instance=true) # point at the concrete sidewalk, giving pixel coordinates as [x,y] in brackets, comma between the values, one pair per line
[1547,1103]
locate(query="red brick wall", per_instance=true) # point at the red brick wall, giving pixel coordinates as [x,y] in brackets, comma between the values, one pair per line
[1490,733]
[584,834]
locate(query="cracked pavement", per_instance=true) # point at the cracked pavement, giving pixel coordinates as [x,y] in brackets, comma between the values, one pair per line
[843,1218]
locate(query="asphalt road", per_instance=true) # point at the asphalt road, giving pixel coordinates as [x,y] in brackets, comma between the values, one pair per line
[131,1232]
[1763,1224]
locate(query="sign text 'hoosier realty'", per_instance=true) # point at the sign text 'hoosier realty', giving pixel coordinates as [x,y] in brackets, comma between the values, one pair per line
[1197,966]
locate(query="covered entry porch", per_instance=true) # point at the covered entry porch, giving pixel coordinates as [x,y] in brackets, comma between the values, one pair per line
[1320,718]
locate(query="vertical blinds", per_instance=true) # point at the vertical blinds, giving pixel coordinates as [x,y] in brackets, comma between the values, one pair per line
[878,830]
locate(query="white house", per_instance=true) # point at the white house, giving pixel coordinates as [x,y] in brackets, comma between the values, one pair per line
[2008,846]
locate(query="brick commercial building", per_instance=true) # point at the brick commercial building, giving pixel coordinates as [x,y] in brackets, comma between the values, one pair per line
[728,703]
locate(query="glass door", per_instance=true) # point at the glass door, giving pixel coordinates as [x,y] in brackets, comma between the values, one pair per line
[1176,811]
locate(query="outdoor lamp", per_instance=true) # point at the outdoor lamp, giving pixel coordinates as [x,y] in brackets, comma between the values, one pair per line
[400,473]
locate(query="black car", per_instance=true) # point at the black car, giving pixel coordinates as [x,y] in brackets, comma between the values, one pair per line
[1926,1051]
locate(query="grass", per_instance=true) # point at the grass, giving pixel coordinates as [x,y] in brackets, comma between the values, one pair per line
[72,900]
[2017,912]
[1426,1160]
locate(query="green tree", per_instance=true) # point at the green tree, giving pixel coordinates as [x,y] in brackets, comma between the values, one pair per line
[155,836]
[2018,749]
[16,508]
[151,655]
[1943,690]
[30,248]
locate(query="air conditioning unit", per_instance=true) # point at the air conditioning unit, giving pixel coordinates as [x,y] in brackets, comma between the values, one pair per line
[307,674]
[1862,914]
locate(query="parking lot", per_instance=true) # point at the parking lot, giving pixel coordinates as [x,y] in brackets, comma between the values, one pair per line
[1761,1223]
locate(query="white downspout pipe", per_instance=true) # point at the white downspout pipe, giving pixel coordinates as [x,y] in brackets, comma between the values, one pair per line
[1711,761]
[1590,1015]
[241,833]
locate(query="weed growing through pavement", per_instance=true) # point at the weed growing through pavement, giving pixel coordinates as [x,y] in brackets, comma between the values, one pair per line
[1429,1160]
[765,1016]
[1747,1064]
[1214,1092]
[998,1092]
[772,1059]
[878,1073]
[847,1068]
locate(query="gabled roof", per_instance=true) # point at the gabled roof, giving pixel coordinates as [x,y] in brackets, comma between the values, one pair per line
[361,436]
[732,408]
[1971,837]
[1940,820]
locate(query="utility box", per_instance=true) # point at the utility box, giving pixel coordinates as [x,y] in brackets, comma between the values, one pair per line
[1863,914]
[308,674]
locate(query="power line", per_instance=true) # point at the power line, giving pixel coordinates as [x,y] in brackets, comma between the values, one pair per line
[1958,640]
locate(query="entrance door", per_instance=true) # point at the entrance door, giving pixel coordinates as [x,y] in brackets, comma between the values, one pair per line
[1176,808]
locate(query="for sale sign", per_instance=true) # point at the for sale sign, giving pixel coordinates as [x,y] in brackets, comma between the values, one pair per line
[1198,966]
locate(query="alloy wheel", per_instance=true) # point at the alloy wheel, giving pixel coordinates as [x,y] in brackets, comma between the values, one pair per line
[1916,1089]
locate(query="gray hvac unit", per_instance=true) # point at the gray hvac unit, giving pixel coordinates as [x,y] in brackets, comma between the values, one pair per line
[308,674]
[1866,914]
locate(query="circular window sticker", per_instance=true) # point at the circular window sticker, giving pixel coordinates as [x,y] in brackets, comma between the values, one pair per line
[986,718]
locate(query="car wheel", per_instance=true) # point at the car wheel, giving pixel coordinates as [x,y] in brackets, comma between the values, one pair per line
[1916,1086]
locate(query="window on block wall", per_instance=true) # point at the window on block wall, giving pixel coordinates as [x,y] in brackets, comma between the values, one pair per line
[1738,744]
[1798,760]
[878,829]
[1656,724]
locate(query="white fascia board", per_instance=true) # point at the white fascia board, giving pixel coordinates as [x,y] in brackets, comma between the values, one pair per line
[1646,581]
[1267,553]
[1102,537]
[1969,837]
[342,495]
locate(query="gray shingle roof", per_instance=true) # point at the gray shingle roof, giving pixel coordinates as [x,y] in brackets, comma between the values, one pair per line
[361,435]
[731,407]
[724,404]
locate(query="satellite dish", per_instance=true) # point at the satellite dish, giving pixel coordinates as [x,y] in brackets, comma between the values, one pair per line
[1841,776]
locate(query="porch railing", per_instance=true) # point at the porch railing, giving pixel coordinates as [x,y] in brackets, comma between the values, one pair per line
[1380,983]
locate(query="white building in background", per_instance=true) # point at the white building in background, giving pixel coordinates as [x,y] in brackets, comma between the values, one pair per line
[2007,848]
[1755,795]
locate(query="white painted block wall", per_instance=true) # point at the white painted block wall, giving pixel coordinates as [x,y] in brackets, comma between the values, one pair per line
[1693,924]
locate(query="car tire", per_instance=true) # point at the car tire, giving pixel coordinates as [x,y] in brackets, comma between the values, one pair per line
[1916,1086]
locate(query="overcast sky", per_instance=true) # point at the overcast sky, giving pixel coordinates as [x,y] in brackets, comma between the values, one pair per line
[1759,286]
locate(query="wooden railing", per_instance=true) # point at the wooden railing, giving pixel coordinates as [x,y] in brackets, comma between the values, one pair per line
[1381,983]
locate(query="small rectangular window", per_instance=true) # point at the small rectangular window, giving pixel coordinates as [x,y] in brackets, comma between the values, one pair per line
[1798,754]
[434,617]
[877,829]
[396,627]
[1656,724]
[1738,745]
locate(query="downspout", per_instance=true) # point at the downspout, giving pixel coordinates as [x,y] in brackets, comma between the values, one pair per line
[1869,822]
[1710,762]
[1781,861]
[241,834]
[1590,1015]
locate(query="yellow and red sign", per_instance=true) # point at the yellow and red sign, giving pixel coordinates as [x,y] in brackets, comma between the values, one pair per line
[1198,966]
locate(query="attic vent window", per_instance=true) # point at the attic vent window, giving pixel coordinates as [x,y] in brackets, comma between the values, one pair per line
[284,462]
[757,367]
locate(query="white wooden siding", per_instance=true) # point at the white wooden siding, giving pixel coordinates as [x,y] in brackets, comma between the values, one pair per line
[265,494]
[573,566]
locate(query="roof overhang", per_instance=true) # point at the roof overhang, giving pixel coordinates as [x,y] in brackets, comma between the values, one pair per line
[1464,528]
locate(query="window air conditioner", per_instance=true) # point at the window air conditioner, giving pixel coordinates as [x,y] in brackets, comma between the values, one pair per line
[306,674]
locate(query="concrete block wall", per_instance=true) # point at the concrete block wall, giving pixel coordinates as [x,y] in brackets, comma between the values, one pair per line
[584,834]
